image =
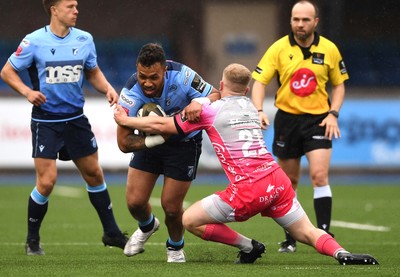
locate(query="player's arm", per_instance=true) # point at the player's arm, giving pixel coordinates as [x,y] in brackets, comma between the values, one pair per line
[331,121]
[149,124]
[257,97]
[128,141]
[10,77]
[97,79]
[193,110]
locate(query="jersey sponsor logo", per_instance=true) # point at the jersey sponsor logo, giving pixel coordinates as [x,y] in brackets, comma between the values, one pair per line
[342,67]
[188,72]
[25,43]
[318,58]
[198,83]
[81,38]
[303,82]
[63,72]
[18,51]
[125,99]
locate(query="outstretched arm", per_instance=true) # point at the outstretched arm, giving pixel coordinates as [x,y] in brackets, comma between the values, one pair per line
[148,124]
[193,110]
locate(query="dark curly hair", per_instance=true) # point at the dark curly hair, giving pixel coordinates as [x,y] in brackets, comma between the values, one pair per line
[151,54]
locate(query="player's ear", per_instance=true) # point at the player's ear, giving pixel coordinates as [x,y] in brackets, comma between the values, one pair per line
[247,90]
[316,21]
[221,85]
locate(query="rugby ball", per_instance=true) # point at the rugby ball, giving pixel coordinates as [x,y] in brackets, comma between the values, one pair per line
[151,109]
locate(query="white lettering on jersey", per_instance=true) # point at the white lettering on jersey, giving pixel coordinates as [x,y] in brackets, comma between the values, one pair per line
[63,74]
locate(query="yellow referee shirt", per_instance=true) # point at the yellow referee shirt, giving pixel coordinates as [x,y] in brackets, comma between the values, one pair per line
[302,76]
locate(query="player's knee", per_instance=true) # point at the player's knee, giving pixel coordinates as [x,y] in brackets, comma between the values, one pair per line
[187,222]
[173,212]
[319,178]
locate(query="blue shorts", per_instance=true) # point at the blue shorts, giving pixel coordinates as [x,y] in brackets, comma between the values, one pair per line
[67,140]
[295,135]
[177,160]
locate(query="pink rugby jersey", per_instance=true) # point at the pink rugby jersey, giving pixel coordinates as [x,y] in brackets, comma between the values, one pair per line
[232,125]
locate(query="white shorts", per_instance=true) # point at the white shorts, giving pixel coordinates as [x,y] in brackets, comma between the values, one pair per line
[222,212]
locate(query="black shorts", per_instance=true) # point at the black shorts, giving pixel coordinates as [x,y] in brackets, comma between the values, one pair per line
[295,135]
[178,160]
[68,140]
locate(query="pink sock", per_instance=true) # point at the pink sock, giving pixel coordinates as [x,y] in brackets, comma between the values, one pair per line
[220,233]
[327,245]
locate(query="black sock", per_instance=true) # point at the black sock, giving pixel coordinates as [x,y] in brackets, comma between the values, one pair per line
[102,203]
[148,227]
[323,212]
[289,238]
[36,214]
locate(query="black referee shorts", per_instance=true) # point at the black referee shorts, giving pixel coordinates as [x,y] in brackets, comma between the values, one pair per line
[295,135]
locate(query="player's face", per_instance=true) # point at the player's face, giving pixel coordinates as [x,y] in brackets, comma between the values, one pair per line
[66,12]
[303,22]
[151,79]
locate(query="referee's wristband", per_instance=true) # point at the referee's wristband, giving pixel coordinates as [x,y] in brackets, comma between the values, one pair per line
[260,110]
[334,113]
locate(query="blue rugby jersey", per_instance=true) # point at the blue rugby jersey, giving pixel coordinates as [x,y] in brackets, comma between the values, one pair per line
[56,66]
[181,85]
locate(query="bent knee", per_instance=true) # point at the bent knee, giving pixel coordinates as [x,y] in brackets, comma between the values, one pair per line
[187,222]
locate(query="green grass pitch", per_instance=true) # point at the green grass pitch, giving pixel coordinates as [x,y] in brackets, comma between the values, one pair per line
[71,237]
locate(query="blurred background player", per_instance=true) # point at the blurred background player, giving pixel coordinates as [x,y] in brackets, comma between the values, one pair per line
[257,183]
[307,119]
[172,86]
[56,57]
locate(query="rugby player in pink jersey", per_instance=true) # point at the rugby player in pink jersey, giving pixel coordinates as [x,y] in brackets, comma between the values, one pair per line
[257,184]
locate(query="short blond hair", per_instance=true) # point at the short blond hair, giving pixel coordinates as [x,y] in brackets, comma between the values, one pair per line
[237,77]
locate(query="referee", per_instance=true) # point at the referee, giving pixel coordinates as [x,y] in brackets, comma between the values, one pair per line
[307,116]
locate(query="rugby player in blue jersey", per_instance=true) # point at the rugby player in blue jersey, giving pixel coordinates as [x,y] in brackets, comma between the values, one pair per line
[57,57]
[172,86]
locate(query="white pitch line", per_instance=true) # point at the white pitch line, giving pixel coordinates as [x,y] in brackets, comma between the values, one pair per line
[68,191]
[358,226]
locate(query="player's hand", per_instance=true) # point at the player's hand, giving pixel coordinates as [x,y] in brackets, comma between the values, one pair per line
[192,111]
[36,98]
[112,96]
[331,127]
[264,122]
[120,115]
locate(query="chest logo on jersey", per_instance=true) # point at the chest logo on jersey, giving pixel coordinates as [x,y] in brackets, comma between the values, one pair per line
[63,72]
[318,58]
[303,82]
